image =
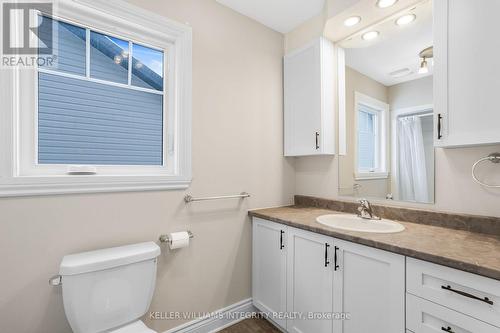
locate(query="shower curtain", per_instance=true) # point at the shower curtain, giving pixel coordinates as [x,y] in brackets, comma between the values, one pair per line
[412,171]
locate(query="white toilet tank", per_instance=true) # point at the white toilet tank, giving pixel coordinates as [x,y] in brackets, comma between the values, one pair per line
[108,288]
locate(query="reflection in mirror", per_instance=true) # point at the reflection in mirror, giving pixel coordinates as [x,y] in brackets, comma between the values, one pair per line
[389,150]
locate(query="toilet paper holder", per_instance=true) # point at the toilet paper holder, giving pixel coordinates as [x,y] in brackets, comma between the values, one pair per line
[166,238]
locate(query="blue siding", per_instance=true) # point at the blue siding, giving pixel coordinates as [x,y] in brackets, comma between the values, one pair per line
[69,46]
[83,122]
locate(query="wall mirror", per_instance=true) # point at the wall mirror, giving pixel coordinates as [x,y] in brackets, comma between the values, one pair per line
[385,75]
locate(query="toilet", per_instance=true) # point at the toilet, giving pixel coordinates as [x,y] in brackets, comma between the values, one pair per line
[108,290]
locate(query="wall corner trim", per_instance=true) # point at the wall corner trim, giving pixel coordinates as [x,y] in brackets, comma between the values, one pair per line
[218,319]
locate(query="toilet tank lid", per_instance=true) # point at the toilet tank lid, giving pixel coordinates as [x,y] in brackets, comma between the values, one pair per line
[108,258]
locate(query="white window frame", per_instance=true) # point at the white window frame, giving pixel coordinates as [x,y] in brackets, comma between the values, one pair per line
[381,170]
[20,174]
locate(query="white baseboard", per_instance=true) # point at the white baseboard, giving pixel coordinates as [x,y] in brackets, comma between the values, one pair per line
[221,319]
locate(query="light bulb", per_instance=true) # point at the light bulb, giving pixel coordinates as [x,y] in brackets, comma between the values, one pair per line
[370,35]
[406,19]
[351,21]
[424,69]
[386,3]
[118,59]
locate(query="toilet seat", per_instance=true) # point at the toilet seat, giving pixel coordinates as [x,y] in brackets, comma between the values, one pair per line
[134,327]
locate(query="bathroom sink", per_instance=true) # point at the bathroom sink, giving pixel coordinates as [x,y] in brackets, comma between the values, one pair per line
[354,223]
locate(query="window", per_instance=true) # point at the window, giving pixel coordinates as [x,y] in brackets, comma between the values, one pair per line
[111,113]
[371,138]
[97,117]
[367,138]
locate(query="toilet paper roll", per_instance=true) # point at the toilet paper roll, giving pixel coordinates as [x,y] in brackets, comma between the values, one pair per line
[179,240]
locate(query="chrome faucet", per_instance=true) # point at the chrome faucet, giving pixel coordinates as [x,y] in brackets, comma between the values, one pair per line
[365,210]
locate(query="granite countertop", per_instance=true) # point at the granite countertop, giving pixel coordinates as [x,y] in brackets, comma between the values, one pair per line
[467,251]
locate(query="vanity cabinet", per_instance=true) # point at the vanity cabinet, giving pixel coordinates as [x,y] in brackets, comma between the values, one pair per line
[308,100]
[320,277]
[369,284]
[466,72]
[269,269]
[309,281]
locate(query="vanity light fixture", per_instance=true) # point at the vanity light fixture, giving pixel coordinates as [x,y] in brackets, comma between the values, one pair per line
[386,3]
[427,53]
[352,21]
[370,35]
[406,19]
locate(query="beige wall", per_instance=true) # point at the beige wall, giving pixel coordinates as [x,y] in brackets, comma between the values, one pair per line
[411,93]
[306,32]
[357,82]
[237,146]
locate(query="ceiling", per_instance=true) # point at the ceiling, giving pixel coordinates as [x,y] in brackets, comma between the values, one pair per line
[280,15]
[396,48]
[340,10]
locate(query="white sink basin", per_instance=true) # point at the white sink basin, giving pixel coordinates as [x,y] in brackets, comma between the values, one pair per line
[354,223]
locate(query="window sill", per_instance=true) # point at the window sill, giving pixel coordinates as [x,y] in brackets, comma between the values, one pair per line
[23,186]
[371,175]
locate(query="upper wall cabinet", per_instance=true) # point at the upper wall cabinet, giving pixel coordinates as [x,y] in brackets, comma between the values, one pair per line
[308,99]
[466,72]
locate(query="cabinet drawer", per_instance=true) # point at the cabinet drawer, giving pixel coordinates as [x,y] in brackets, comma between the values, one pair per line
[467,293]
[426,317]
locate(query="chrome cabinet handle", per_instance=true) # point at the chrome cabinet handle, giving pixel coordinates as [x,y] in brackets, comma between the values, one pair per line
[317,140]
[447,329]
[463,293]
[281,239]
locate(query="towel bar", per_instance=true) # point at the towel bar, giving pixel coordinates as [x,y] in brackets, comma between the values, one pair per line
[493,158]
[188,198]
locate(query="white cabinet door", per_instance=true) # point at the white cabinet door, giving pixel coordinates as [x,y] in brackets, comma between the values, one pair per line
[308,100]
[269,269]
[310,281]
[369,284]
[466,72]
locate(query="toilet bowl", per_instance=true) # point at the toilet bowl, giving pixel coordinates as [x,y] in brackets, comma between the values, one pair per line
[108,290]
